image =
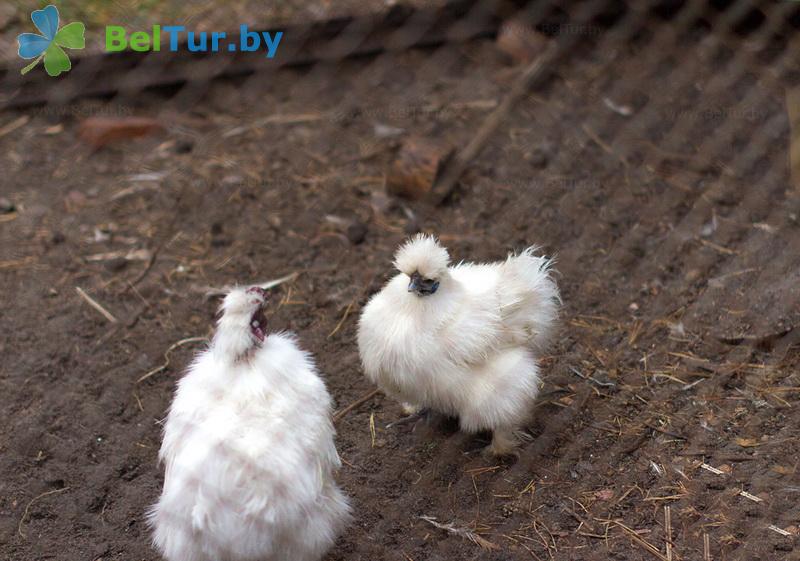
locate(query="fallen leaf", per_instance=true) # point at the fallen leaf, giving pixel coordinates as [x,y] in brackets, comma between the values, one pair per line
[747,442]
[100,131]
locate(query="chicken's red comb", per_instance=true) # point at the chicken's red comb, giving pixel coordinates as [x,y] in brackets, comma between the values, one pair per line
[263,292]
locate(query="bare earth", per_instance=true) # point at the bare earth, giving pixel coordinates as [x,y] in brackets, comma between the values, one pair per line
[672,391]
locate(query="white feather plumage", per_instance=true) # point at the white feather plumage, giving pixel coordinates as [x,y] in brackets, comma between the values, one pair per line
[249,452]
[424,255]
[469,349]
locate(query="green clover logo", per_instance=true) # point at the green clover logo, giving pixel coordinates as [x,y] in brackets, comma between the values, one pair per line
[48,45]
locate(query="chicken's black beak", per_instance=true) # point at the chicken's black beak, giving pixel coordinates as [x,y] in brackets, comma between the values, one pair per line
[422,286]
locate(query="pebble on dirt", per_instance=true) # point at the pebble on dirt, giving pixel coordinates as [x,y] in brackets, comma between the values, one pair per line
[6,206]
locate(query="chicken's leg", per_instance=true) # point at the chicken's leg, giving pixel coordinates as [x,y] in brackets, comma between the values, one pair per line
[410,408]
[504,443]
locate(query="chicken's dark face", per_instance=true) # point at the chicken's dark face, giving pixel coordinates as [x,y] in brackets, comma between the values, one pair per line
[258,321]
[421,286]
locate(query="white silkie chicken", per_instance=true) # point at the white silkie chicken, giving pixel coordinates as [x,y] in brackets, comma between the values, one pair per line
[462,340]
[249,452]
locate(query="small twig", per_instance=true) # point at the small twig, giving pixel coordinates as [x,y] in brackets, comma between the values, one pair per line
[119,327]
[712,469]
[582,521]
[668,531]
[341,321]
[591,379]
[211,291]
[462,532]
[166,240]
[14,125]
[757,341]
[793,109]
[171,348]
[277,120]
[17,263]
[663,431]
[717,247]
[642,542]
[455,167]
[594,137]
[339,415]
[148,266]
[525,547]
[778,530]
[94,304]
[534,73]
[706,547]
[753,498]
[28,506]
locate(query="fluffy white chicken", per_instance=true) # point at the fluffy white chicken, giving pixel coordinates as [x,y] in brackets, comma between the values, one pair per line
[249,452]
[462,340]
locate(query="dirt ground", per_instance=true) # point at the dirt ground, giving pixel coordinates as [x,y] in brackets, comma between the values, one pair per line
[671,394]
